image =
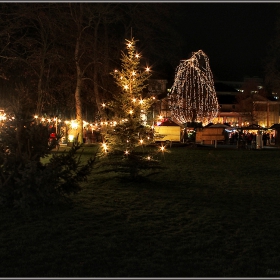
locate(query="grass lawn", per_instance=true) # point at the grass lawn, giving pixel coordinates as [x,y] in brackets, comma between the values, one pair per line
[210,213]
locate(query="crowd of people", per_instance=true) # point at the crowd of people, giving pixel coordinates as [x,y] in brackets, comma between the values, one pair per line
[250,138]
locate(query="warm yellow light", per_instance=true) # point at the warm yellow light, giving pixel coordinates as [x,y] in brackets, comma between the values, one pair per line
[134,99]
[103,105]
[130,111]
[36,117]
[147,69]
[116,70]
[141,141]
[148,158]
[141,101]
[43,119]
[105,147]
[133,73]
[125,86]
[71,138]
[162,148]
[126,152]
[74,125]
[137,55]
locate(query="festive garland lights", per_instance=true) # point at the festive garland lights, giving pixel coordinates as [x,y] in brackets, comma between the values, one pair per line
[193,97]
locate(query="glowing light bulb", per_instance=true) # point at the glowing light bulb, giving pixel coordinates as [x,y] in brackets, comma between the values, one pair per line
[105,147]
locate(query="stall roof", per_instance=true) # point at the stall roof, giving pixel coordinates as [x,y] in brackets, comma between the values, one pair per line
[253,127]
[168,123]
[275,126]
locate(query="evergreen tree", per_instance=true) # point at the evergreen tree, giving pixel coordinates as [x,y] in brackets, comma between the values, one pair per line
[127,140]
[24,179]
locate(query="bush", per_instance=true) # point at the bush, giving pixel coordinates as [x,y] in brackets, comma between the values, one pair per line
[24,180]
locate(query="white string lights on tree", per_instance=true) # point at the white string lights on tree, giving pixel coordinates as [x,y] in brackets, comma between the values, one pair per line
[193,97]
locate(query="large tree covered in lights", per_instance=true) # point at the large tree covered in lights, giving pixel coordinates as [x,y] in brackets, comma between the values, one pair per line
[126,137]
[193,96]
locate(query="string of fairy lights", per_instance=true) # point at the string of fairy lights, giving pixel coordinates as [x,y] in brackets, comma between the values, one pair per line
[193,97]
[132,82]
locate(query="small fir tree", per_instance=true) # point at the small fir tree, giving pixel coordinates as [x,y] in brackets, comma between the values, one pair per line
[24,179]
[127,141]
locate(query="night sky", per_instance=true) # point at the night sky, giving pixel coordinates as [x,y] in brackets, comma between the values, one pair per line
[235,36]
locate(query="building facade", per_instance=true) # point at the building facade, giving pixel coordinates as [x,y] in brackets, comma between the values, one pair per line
[240,103]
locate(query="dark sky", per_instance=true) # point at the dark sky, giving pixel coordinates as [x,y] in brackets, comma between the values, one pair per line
[235,36]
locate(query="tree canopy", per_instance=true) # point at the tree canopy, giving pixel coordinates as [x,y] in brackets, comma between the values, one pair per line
[62,53]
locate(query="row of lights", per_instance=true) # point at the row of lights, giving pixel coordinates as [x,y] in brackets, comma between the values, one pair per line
[126,152]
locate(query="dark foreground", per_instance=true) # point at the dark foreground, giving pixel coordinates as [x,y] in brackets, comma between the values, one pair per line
[210,213]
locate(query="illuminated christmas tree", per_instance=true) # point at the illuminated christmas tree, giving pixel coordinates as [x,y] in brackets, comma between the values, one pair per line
[193,96]
[125,142]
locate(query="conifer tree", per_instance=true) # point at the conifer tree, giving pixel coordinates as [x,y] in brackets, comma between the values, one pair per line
[126,141]
[25,180]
